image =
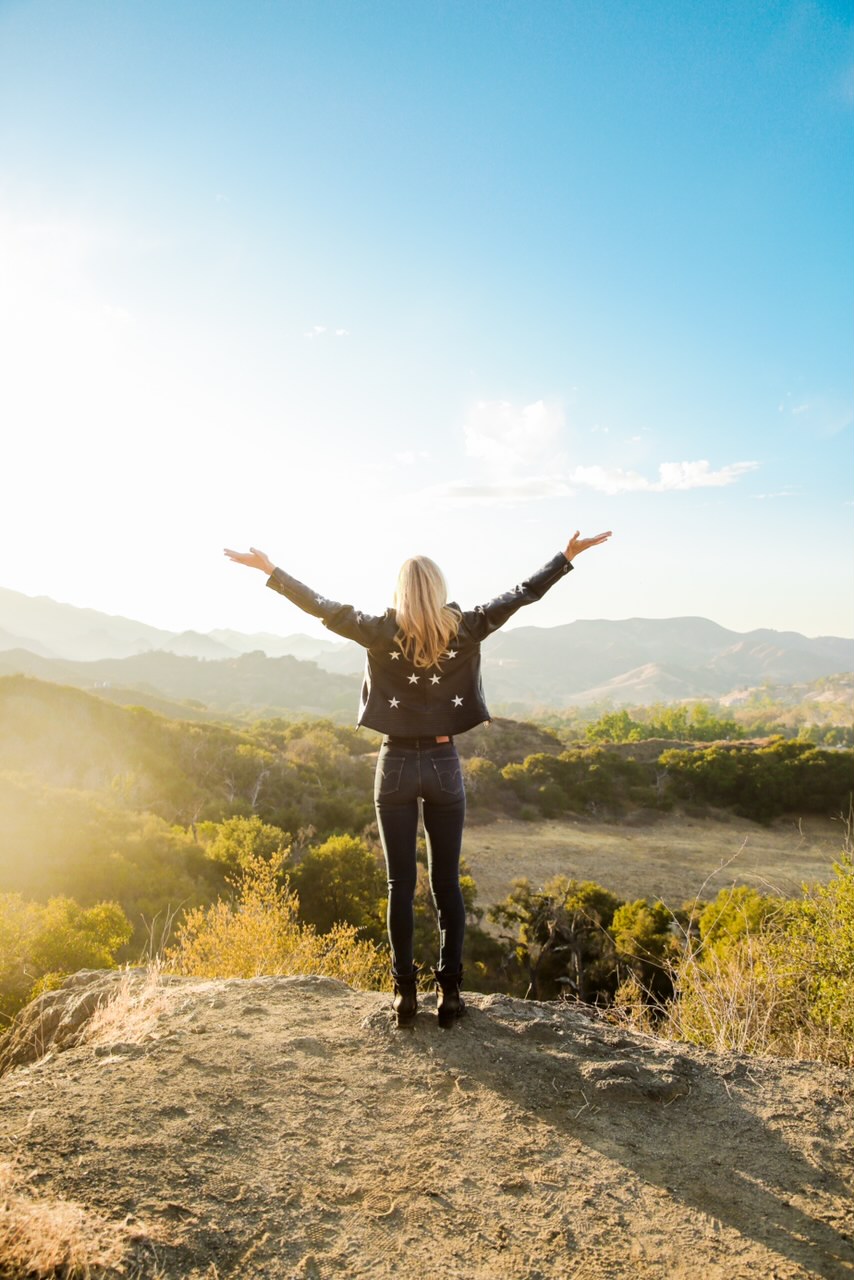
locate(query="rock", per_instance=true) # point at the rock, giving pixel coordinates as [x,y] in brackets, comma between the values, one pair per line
[57,1019]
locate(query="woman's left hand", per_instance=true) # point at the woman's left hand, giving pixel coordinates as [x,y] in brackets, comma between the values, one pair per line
[577,544]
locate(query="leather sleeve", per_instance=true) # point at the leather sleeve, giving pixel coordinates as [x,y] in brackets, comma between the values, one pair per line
[343,619]
[486,618]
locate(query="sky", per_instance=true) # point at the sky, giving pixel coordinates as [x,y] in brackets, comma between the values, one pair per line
[352,281]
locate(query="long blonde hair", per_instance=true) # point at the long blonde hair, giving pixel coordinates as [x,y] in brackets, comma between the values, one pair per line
[426,623]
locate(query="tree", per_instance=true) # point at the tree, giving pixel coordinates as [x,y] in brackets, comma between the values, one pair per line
[615,726]
[645,943]
[560,936]
[235,841]
[41,943]
[342,880]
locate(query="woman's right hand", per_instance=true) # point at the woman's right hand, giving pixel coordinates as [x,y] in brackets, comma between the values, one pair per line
[254,558]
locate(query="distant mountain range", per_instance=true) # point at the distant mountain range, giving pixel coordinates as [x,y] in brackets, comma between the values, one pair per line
[633,661]
[57,630]
[643,660]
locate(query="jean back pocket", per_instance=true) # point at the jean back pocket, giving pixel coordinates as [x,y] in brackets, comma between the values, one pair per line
[389,773]
[449,775]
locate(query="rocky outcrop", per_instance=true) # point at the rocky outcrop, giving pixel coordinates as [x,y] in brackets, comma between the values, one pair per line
[60,1019]
[285,1128]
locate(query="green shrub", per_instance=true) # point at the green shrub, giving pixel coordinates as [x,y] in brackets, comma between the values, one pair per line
[771,976]
[41,943]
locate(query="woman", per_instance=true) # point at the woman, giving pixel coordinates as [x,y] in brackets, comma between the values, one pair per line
[422,686]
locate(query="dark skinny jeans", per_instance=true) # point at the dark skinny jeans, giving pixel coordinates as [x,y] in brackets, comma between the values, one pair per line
[425,779]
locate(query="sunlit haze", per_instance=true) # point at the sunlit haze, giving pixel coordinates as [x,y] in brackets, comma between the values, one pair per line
[350,282]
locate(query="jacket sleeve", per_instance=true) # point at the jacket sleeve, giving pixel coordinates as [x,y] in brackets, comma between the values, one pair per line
[343,619]
[486,618]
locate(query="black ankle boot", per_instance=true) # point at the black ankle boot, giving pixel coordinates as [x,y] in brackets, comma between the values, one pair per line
[405,1003]
[449,1002]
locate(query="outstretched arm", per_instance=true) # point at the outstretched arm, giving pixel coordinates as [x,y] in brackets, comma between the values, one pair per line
[487,618]
[343,619]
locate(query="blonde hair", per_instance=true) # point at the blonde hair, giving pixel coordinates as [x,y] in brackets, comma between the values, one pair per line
[426,623]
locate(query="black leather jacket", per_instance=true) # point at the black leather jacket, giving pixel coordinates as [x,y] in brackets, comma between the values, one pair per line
[408,701]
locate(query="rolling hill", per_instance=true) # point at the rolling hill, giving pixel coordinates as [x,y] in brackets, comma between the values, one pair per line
[630,662]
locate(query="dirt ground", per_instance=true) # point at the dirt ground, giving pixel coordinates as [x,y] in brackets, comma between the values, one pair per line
[673,858]
[282,1127]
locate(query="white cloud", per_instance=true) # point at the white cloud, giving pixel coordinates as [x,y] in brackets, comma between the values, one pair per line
[318,331]
[610,479]
[699,475]
[671,476]
[508,437]
[503,491]
[408,457]
[519,449]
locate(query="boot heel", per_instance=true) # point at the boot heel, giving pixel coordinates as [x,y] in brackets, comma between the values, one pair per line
[449,1003]
[405,1002]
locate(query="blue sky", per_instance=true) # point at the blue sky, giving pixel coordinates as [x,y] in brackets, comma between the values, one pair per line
[350,281]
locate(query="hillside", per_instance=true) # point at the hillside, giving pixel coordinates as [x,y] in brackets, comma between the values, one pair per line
[58,630]
[643,660]
[281,1127]
[250,684]
[99,801]
[632,661]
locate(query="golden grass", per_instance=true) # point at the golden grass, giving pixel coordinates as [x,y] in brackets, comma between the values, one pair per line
[47,1236]
[666,858]
[132,1012]
[259,933]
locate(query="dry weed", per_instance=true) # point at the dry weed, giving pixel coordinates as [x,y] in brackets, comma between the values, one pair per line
[43,1236]
[132,1012]
[260,933]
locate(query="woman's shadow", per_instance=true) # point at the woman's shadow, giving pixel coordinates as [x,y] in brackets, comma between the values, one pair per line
[646,1103]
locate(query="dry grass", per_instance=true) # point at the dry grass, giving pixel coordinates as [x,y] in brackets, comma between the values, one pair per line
[260,933]
[780,989]
[132,1013]
[44,1236]
[666,858]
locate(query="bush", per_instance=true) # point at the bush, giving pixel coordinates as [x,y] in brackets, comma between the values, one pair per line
[783,777]
[559,937]
[41,943]
[770,976]
[342,881]
[645,945]
[260,932]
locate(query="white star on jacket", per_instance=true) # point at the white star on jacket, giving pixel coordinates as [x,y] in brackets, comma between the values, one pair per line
[393,702]
[394,656]
[452,653]
[413,679]
[435,679]
[458,702]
